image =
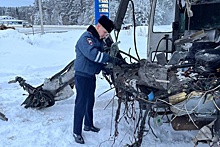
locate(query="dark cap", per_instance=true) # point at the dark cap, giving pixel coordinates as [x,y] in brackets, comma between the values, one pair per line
[106,23]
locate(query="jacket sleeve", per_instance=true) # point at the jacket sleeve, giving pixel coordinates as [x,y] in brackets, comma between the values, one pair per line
[87,47]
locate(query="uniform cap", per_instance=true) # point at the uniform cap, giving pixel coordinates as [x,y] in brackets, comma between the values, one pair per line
[106,23]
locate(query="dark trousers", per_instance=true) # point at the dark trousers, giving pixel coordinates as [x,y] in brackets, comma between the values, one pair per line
[84,103]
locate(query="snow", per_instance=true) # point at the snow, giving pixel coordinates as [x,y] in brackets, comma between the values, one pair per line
[36,57]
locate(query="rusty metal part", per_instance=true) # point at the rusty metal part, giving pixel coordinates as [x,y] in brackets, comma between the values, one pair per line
[184,123]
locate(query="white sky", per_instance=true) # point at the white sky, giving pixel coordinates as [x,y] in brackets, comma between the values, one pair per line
[36,57]
[15,3]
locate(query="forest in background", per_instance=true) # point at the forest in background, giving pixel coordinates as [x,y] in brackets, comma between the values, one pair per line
[82,12]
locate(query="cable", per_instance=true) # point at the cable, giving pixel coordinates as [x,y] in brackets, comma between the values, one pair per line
[215,104]
[166,38]
[190,116]
[157,48]
[135,44]
[116,32]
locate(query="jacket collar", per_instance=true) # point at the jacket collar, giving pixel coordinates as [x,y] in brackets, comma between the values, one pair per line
[94,32]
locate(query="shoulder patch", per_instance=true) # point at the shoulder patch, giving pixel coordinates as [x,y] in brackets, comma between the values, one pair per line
[89,40]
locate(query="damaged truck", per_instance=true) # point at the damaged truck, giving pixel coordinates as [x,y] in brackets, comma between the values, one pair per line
[179,80]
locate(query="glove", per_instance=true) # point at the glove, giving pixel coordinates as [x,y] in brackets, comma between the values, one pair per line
[106,71]
[116,61]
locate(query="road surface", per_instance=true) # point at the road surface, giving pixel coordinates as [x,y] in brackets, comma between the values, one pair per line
[36,29]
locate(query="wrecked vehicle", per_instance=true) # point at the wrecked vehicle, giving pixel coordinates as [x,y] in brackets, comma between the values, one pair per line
[179,78]
[58,87]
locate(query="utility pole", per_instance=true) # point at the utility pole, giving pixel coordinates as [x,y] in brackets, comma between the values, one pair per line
[41,17]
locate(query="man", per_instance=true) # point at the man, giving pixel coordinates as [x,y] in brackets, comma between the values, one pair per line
[89,61]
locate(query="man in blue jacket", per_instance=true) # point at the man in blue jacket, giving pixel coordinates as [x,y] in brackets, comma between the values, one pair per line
[90,59]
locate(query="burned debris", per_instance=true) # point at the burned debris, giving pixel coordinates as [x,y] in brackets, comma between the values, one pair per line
[3,117]
[58,87]
[184,96]
[183,89]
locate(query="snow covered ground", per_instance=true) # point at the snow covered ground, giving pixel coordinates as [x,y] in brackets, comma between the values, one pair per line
[36,57]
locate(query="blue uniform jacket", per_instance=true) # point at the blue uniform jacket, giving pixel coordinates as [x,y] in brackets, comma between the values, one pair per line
[90,57]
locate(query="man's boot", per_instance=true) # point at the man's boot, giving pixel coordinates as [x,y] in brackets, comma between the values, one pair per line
[78,138]
[92,128]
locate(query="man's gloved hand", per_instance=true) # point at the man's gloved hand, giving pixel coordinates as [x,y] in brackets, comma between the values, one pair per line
[116,61]
[106,71]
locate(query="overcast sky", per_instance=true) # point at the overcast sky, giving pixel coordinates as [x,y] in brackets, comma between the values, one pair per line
[15,3]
